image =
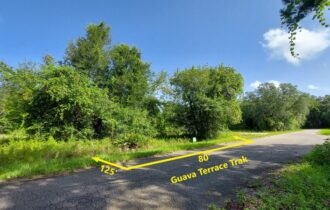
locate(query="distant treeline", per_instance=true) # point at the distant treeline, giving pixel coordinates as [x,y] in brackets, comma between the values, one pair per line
[284,108]
[103,91]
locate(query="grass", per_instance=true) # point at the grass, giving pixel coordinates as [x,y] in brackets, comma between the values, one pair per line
[27,158]
[325,132]
[303,185]
[300,186]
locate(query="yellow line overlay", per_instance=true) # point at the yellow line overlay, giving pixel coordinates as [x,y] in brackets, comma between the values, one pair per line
[245,142]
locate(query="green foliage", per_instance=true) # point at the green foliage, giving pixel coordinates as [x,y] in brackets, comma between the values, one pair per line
[18,87]
[129,76]
[275,108]
[296,10]
[25,158]
[90,54]
[320,155]
[130,140]
[207,99]
[101,93]
[301,186]
[132,122]
[66,104]
[167,121]
[325,132]
[319,116]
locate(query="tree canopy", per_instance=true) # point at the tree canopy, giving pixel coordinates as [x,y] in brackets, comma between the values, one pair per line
[275,108]
[129,81]
[319,116]
[105,91]
[206,99]
[90,54]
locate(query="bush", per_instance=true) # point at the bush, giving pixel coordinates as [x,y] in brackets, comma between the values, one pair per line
[129,120]
[320,155]
[130,141]
[66,105]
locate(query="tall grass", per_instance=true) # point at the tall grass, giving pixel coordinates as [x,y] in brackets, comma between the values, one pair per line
[325,131]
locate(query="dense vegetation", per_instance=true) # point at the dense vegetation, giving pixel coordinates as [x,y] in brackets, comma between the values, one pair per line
[103,91]
[275,108]
[100,91]
[105,100]
[319,116]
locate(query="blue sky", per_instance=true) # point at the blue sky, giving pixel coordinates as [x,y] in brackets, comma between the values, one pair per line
[174,34]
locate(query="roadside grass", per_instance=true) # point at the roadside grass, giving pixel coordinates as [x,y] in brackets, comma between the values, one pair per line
[300,186]
[4,139]
[28,158]
[325,132]
[303,185]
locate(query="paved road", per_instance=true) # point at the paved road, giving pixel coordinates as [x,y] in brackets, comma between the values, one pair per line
[150,188]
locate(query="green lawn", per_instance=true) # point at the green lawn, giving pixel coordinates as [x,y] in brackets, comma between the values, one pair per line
[325,132]
[34,157]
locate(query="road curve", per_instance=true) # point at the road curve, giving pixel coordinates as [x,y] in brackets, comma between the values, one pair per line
[150,188]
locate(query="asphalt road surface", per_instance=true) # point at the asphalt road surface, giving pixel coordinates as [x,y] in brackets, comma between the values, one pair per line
[150,188]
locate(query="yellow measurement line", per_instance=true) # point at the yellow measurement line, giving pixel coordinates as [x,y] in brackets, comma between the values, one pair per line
[245,142]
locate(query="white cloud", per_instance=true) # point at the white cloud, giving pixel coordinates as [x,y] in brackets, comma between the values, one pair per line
[320,88]
[308,44]
[313,87]
[257,83]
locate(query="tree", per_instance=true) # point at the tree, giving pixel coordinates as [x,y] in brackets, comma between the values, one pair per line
[325,111]
[66,104]
[48,60]
[129,81]
[4,71]
[90,54]
[319,116]
[275,108]
[19,86]
[206,99]
[296,10]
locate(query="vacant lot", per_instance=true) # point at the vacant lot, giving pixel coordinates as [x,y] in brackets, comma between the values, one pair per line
[25,158]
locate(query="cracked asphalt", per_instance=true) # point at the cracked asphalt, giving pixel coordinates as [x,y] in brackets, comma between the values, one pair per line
[150,188]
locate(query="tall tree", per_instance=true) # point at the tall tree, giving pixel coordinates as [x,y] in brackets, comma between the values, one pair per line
[275,108]
[129,82]
[19,85]
[66,104]
[4,94]
[319,116]
[207,99]
[90,54]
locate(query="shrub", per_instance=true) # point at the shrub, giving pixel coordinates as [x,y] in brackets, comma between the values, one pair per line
[130,141]
[66,105]
[320,154]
